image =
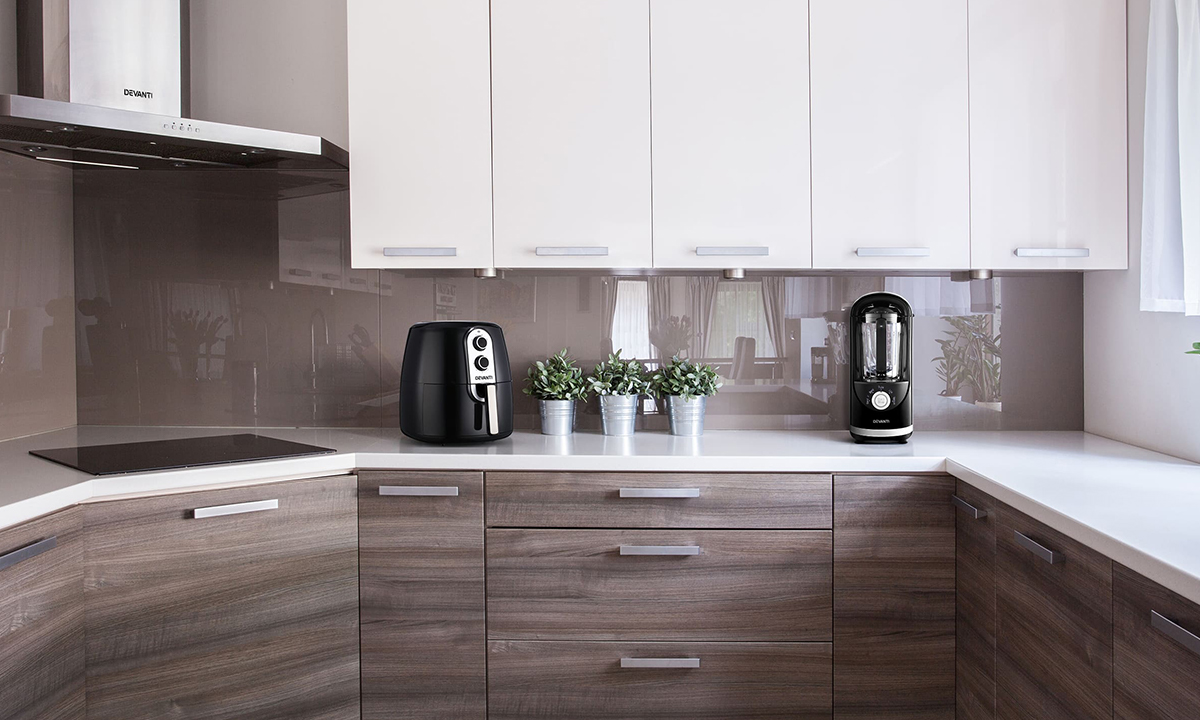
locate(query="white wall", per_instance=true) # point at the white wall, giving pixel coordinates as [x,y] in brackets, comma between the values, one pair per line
[1139,385]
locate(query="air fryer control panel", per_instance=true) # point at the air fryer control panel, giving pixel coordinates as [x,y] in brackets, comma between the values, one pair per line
[481,362]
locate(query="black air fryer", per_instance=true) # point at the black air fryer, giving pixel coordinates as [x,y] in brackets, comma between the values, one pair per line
[881,369]
[455,385]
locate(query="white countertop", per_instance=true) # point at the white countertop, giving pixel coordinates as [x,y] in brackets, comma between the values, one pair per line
[1138,507]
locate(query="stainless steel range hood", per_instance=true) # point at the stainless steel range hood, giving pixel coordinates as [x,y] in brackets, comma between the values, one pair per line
[128,60]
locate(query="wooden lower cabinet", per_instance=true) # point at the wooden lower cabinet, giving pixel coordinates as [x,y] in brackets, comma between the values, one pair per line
[224,605]
[1156,651]
[41,619]
[893,602]
[424,650]
[601,681]
[1054,628]
[976,607]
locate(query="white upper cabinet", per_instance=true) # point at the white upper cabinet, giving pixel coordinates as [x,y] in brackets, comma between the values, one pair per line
[571,129]
[890,146]
[730,131]
[420,133]
[1048,134]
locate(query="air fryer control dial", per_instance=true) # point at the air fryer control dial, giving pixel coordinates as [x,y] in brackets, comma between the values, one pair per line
[481,364]
[880,400]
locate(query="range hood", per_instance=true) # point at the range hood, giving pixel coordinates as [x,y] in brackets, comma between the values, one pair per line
[105,83]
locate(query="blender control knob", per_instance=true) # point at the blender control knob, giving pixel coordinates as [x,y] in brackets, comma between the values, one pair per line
[880,400]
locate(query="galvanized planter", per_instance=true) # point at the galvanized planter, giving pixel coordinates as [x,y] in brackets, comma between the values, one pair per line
[558,416]
[686,416]
[618,414]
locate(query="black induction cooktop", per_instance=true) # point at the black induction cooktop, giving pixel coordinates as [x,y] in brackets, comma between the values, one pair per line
[174,454]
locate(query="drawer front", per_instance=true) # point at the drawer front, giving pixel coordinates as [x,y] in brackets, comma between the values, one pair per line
[727,681]
[1156,657]
[1053,624]
[660,585]
[224,604]
[421,588]
[660,500]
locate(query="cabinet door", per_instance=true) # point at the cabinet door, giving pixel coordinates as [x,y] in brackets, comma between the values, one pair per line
[890,167]
[1156,651]
[731,175]
[424,648]
[41,619]
[1053,625]
[1048,134]
[893,597]
[571,117]
[225,604]
[976,604]
[420,130]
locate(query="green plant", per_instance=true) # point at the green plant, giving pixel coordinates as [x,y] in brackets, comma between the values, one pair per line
[556,378]
[619,376]
[951,368]
[1195,349]
[672,336]
[685,379]
[980,351]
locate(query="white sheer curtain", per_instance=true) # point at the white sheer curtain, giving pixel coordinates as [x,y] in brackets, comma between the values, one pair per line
[631,320]
[739,313]
[941,297]
[1171,168]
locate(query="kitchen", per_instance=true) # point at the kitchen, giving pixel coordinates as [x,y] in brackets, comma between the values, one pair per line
[507,359]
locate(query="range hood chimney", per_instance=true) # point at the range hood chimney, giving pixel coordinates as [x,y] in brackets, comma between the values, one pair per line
[106,82]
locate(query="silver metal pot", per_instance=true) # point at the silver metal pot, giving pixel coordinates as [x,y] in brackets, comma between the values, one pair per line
[686,416]
[618,414]
[558,416]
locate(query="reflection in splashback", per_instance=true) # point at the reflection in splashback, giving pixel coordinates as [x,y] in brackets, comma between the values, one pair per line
[226,298]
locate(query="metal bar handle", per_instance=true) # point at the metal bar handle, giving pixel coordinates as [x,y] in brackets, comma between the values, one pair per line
[1045,553]
[22,554]
[968,508]
[419,490]
[420,251]
[886,252]
[660,549]
[660,663]
[583,250]
[643,493]
[1174,631]
[235,509]
[1035,252]
[732,251]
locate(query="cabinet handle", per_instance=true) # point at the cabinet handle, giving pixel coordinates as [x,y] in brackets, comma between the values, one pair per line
[660,549]
[660,663]
[1033,252]
[1045,553]
[299,273]
[968,508]
[589,250]
[420,251]
[358,281]
[235,509]
[886,252]
[330,276]
[660,492]
[420,490]
[9,559]
[711,251]
[1174,631]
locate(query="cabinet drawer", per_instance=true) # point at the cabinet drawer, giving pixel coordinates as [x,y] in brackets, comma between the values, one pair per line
[663,500]
[727,681]
[1156,659]
[660,585]
[1053,624]
[975,617]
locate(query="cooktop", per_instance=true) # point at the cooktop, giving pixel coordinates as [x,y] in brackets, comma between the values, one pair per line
[173,454]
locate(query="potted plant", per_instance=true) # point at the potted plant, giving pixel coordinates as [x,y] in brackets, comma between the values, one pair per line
[672,336]
[686,386]
[619,382]
[980,351]
[950,369]
[557,383]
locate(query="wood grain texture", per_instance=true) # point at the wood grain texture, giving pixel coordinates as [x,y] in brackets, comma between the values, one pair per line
[424,644]
[727,501]
[894,609]
[1154,677]
[224,618]
[765,585]
[41,622]
[1053,627]
[584,681]
[976,608]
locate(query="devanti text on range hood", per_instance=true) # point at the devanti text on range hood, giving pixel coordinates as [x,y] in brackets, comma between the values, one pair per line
[127,61]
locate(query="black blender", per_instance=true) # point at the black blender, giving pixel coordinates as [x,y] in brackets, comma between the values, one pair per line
[881,366]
